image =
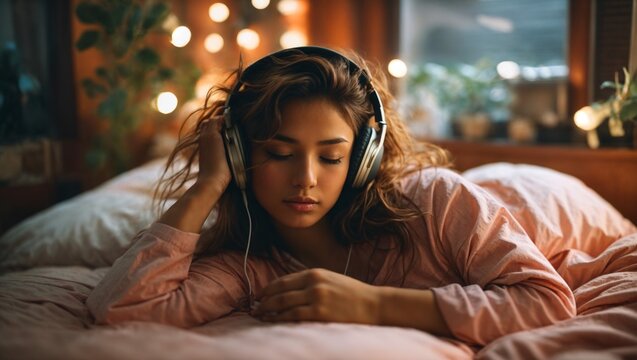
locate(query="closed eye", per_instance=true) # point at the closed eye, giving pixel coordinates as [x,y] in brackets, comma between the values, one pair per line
[332,161]
[282,157]
[277,156]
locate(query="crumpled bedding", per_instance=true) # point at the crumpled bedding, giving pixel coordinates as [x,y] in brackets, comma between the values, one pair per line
[43,315]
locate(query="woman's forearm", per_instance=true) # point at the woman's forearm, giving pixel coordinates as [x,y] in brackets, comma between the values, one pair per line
[411,308]
[191,210]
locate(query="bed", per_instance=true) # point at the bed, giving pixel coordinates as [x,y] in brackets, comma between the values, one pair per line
[50,262]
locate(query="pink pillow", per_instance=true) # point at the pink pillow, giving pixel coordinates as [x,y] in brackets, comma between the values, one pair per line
[558,211]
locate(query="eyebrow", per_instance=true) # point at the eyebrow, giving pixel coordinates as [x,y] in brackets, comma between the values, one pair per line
[290,140]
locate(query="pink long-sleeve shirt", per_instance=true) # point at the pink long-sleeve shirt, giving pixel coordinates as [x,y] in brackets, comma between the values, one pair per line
[487,276]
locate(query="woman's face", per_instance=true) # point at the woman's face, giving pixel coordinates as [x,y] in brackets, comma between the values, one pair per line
[299,174]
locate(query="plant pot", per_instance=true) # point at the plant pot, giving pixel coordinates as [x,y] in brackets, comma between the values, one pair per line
[474,126]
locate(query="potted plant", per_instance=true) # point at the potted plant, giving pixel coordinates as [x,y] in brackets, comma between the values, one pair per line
[473,96]
[620,108]
[133,72]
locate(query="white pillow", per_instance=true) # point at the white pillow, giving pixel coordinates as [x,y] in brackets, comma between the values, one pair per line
[92,229]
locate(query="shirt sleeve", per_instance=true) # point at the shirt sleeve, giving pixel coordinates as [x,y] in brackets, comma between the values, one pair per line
[156,280]
[506,284]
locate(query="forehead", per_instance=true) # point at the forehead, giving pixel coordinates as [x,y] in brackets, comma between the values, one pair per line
[314,118]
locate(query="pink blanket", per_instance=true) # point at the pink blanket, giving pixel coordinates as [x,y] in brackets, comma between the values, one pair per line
[43,315]
[60,256]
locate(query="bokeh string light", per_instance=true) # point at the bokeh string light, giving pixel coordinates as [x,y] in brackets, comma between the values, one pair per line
[219,12]
[213,43]
[180,36]
[166,102]
[260,4]
[249,39]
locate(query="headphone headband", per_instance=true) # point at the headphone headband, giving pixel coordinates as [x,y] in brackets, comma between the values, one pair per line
[366,160]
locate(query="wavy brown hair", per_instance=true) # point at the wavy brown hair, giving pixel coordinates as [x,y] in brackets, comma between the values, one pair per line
[378,210]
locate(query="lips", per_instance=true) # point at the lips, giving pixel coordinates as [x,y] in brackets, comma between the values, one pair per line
[301,203]
[301,200]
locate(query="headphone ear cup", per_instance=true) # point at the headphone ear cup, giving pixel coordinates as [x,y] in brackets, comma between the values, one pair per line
[358,153]
[235,155]
[378,156]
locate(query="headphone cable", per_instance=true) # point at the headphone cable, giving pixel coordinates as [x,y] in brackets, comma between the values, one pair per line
[245,258]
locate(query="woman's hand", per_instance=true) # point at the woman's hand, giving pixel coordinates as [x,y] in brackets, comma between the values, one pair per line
[319,295]
[193,207]
[213,168]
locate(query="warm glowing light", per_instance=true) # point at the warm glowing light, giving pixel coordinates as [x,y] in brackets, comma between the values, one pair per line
[508,69]
[288,7]
[260,4]
[248,39]
[592,139]
[213,43]
[397,68]
[218,12]
[292,38]
[587,118]
[181,36]
[166,102]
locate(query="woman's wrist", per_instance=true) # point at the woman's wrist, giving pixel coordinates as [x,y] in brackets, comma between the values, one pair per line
[208,187]
[411,308]
[191,210]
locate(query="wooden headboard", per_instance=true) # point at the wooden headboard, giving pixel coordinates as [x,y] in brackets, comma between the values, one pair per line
[612,173]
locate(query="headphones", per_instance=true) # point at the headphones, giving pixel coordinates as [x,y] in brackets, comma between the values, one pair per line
[367,150]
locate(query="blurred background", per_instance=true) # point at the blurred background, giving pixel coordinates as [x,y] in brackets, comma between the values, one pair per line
[92,88]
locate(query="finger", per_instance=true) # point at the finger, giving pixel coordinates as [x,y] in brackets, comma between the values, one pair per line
[204,124]
[282,302]
[219,111]
[207,130]
[216,117]
[295,281]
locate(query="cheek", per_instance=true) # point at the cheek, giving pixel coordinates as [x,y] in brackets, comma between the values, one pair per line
[333,178]
[268,177]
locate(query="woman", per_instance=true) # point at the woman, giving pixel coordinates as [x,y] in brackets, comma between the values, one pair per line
[411,244]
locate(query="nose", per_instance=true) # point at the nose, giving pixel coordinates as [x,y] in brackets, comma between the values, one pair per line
[304,176]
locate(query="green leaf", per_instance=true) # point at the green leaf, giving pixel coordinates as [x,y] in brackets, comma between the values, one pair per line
[165,74]
[608,85]
[148,57]
[87,39]
[118,13]
[101,72]
[155,15]
[132,26]
[123,70]
[120,46]
[88,13]
[91,13]
[628,110]
[114,105]
[92,89]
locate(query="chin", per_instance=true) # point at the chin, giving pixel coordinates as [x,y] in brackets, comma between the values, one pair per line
[298,223]
[297,220]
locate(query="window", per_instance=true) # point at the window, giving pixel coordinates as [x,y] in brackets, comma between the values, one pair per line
[486,69]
